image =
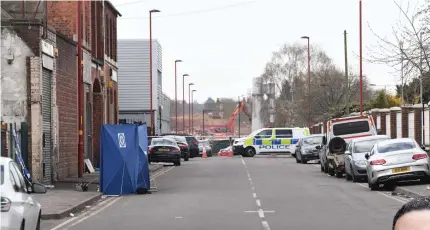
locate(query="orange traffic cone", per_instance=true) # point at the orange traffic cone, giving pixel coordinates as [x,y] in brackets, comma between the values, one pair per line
[204,155]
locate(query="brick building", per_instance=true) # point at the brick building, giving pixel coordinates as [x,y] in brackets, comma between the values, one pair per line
[42,42]
[99,38]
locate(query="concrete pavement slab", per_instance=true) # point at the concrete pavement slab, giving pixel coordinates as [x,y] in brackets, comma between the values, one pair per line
[415,190]
[222,193]
[62,200]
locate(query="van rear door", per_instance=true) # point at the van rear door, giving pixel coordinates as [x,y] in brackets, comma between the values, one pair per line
[353,128]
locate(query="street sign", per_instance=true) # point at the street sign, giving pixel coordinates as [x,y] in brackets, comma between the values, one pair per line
[121,140]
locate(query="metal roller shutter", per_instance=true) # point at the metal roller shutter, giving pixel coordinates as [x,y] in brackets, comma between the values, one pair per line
[46,114]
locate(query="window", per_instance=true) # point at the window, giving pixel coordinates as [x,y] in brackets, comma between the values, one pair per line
[162,141]
[351,128]
[365,146]
[1,174]
[396,146]
[312,140]
[265,133]
[284,133]
[21,180]
[14,179]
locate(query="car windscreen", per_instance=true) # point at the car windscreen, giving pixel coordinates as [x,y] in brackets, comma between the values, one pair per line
[206,143]
[190,139]
[178,138]
[366,146]
[312,140]
[351,128]
[2,174]
[162,141]
[396,146]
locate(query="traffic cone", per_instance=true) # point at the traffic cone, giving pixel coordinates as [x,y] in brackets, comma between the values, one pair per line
[204,155]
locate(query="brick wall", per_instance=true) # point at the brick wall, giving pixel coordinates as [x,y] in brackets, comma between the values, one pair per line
[67,107]
[97,125]
[405,121]
[383,123]
[417,124]
[35,108]
[393,123]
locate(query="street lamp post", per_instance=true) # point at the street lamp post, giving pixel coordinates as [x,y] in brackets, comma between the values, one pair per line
[150,69]
[309,80]
[192,110]
[183,101]
[176,97]
[361,58]
[189,106]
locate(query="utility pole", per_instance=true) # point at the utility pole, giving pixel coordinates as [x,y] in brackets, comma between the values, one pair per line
[80,95]
[361,58]
[238,132]
[421,89]
[346,73]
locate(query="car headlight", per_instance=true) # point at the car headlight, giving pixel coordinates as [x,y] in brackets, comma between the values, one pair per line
[360,163]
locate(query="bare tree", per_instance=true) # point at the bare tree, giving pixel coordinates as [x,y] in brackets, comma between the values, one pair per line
[410,43]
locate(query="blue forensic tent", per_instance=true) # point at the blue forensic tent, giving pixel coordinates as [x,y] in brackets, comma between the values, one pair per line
[143,177]
[119,159]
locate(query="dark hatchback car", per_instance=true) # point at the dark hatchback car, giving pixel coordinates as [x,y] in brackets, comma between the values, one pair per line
[192,142]
[306,149]
[164,149]
[183,145]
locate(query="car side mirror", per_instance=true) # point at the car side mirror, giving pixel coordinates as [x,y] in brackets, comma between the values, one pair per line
[379,131]
[324,140]
[423,147]
[367,156]
[318,147]
[38,188]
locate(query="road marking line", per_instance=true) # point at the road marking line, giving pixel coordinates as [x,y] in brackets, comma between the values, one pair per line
[265,225]
[80,219]
[269,211]
[261,213]
[258,202]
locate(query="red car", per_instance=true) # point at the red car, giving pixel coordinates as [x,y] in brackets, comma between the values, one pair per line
[226,152]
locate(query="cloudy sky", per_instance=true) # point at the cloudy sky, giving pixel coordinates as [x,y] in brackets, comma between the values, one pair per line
[225,43]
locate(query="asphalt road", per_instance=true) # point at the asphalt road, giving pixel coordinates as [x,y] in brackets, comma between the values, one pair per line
[249,193]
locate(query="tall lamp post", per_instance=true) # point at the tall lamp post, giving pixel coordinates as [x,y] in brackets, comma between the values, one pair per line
[192,110]
[309,80]
[183,101]
[150,69]
[361,58]
[189,106]
[176,97]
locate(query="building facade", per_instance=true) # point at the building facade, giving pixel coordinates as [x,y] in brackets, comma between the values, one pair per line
[40,81]
[134,84]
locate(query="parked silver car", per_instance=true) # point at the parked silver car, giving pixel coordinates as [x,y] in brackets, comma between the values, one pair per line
[396,160]
[355,160]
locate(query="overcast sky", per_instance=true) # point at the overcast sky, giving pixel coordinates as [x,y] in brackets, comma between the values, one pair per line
[226,43]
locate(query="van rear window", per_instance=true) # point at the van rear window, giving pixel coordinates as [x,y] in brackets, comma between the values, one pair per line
[351,128]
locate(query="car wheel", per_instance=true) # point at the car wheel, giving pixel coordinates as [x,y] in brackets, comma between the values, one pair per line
[297,160]
[326,168]
[347,176]
[177,163]
[339,174]
[38,222]
[425,180]
[373,187]
[322,167]
[354,178]
[22,225]
[331,171]
[304,162]
[249,152]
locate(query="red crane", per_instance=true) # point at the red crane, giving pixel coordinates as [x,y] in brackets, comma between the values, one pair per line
[240,107]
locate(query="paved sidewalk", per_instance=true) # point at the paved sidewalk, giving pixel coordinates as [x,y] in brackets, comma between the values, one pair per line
[415,190]
[61,201]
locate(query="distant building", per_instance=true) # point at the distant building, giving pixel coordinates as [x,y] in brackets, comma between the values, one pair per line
[134,84]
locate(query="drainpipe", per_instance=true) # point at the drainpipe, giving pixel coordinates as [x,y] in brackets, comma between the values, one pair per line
[80,95]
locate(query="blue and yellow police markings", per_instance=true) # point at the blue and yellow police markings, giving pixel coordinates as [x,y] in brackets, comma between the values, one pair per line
[274,144]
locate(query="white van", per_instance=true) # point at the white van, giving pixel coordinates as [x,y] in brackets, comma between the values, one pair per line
[273,140]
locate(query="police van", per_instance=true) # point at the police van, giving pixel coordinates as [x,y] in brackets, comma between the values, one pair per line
[273,140]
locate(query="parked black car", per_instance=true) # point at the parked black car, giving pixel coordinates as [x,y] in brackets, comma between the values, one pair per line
[164,150]
[183,145]
[307,149]
[192,142]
